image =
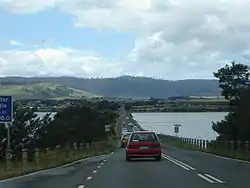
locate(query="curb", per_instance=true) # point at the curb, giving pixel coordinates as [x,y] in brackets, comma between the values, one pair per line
[47,170]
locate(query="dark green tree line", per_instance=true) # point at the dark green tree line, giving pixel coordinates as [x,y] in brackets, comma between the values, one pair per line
[82,123]
[234,83]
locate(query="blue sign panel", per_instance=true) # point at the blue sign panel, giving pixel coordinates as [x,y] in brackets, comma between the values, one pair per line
[6,109]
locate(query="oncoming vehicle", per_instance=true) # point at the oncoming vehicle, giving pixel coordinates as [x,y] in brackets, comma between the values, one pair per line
[124,139]
[143,144]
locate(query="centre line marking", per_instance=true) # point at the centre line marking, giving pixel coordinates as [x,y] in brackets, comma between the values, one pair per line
[175,162]
[213,178]
[180,162]
[205,178]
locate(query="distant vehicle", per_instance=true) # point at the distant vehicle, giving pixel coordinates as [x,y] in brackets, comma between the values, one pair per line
[124,139]
[143,144]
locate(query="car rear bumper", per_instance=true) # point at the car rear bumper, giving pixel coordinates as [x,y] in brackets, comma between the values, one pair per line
[143,153]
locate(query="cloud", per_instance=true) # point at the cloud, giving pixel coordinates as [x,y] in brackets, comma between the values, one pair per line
[27,6]
[15,43]
[175,38]
[56,62]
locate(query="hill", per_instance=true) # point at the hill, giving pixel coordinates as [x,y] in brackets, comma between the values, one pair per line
[128,86]
[41,91]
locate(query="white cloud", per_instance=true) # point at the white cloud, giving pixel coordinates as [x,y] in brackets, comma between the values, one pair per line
[27,6]
[15,43]
[56,62]
[176,38]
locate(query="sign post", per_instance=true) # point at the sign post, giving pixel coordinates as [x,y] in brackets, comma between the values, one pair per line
[177,129]
[6,116]
[107,129]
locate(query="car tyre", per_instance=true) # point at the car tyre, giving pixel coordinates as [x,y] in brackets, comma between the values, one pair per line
[128,159]
[158,158]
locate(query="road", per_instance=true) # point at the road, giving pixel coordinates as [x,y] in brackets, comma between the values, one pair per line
[179,168]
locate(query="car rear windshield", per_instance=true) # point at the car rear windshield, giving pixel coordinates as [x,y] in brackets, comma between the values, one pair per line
[144,137]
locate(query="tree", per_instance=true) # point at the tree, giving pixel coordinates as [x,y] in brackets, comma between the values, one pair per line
[78,124]
[3,135]
[232,78]
[82,123]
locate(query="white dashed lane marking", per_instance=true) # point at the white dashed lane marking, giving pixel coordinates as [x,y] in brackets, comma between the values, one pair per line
[95,171]
[89,178]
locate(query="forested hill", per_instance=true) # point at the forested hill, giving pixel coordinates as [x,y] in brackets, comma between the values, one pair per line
[127,86]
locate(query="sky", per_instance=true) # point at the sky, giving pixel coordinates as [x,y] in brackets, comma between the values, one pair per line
[166,39]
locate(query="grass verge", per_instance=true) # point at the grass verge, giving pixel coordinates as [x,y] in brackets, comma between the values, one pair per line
[54,158]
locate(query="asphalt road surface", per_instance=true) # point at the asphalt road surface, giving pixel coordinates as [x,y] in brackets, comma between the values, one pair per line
[179,168]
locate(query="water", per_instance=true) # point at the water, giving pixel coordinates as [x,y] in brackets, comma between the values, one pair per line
[193,125]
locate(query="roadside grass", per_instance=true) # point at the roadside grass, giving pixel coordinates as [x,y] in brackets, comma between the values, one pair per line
[171,141]
[54,158]
[213,149]
[234,154]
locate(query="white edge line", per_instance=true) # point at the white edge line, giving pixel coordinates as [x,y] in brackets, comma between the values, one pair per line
[89,178]
[81,186]
[205,178]
[94,171]
[175,162]
[47,170]
[222,157]
[98,166]
[213,178]
[181,162]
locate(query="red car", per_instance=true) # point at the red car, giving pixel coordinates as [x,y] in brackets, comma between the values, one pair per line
[143,144]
